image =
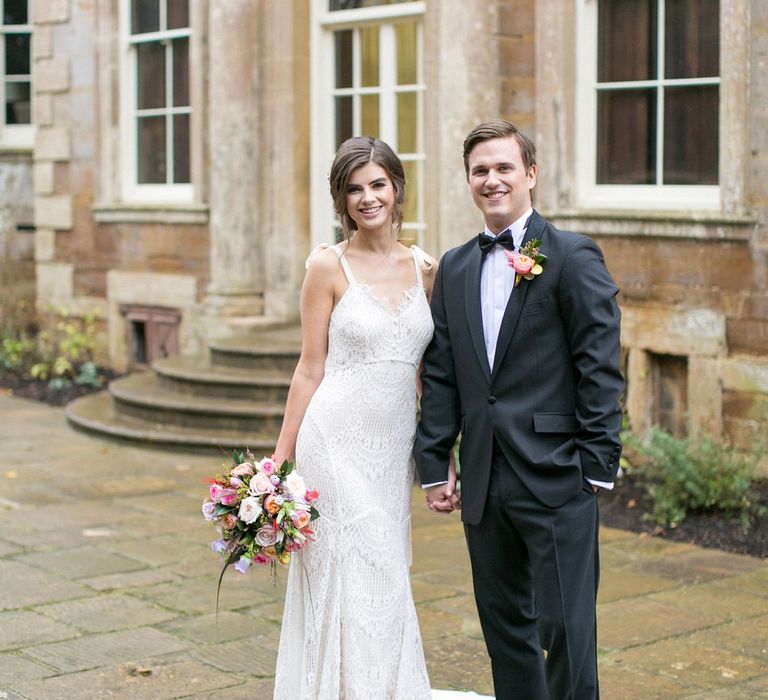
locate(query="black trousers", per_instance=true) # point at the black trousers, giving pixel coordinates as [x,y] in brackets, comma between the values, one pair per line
[535,571]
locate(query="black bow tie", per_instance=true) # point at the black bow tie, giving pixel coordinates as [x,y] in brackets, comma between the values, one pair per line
[504,239]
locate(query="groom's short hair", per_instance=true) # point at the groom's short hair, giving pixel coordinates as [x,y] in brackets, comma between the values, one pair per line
[498,129]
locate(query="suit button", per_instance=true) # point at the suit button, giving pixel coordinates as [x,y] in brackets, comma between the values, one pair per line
[491,399]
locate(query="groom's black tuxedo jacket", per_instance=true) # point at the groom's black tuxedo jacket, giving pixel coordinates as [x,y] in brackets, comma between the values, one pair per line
[551,400]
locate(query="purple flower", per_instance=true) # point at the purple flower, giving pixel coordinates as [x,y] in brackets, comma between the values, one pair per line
[208,510]
[243,564]
[218,546]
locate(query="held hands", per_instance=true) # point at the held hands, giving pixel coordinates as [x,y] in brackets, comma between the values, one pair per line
[444,498]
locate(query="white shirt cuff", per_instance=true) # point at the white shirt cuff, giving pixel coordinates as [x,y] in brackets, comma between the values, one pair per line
[437,483]
[607,485]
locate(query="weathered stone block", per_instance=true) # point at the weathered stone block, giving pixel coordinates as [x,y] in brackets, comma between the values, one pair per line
[54,211]
[745,375]
[43,177]
[42,46]
[45,244]
[54,283]
[748,336]
[42,107]
[674,331]
[50,11]
[52,143]
[52,75]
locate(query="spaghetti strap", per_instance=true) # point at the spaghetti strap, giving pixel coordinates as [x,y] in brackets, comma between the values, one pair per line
[344,265]
[419,259]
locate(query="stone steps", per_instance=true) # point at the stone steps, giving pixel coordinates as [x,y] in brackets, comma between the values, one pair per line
[232,397]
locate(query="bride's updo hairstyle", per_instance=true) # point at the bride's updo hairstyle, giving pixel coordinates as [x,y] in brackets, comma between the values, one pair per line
[354,153]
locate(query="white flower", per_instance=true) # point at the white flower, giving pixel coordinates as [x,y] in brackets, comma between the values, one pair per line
[250,509]
[260,484]
[295,484]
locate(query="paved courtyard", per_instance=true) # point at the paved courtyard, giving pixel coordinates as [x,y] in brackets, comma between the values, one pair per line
[107,589]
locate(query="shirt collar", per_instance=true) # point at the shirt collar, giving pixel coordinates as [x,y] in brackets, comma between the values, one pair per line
[517,229]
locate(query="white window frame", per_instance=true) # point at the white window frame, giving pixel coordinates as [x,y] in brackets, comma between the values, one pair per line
[651,197]
[15,136]
[131,189]
[323,92]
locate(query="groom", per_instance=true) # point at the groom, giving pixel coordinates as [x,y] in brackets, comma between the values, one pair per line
[526,368]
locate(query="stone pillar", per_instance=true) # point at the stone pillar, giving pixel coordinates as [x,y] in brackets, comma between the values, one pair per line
[237,247]
[284,162]
[462,90]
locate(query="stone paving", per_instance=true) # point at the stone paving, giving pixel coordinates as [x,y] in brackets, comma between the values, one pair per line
[107,589]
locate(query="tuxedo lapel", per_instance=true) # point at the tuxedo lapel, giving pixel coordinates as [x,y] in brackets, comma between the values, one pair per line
[516,299]
[474,311]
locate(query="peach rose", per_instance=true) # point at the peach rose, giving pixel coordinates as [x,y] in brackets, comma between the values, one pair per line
[300,518]
[521,264]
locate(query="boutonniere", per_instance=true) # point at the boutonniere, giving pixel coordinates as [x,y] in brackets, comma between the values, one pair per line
[527,263]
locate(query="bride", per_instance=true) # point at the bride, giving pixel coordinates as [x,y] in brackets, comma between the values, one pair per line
[349,627]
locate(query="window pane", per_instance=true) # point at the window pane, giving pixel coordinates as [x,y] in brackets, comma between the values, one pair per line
[343,41]
[150,78]
[145,16]
[691,136]
[151,155]
[369,117]
[181,172]
[693,38]
[178,14]
[407,68]
[18,103]
[334,5]
[626,137]
[344,120]
[15,12]
[369,48]
[626,40]
[411,205]
[17,54]
[180,72]
[407,122]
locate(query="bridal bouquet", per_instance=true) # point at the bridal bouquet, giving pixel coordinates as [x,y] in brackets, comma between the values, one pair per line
[262,510]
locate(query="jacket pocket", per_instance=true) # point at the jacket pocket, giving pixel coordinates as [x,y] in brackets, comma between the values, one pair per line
[555,423]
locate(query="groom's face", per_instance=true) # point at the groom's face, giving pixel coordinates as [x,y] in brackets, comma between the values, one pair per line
[499,183]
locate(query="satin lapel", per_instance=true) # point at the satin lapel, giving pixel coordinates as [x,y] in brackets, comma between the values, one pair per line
[516,299]
[472,305]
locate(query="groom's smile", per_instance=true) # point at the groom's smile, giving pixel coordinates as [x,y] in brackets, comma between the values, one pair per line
[500,186]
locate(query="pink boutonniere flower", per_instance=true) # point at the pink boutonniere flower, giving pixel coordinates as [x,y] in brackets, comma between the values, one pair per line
[527,263]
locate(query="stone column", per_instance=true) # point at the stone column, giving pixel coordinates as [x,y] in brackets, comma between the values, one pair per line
[462,90]
[237,248]
[284,165]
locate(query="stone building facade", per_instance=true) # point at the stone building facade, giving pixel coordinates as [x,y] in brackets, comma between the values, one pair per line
[177,170]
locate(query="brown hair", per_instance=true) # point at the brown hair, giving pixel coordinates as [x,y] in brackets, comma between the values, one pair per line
[498,129]
[354,153]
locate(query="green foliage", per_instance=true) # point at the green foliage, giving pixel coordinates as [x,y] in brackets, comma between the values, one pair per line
[695,473]
[60,355]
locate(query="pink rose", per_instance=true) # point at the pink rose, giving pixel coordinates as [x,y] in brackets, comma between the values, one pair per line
[214,491]
[521,264]
[235,482]
[268,466]
[300,518]
[261,484]
[244,469]
[228,497]
[260,559]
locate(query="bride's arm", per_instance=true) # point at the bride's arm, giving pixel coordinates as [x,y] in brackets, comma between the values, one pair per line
[317,297]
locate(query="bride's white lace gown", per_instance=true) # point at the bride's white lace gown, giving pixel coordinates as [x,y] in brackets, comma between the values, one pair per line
[350,628]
